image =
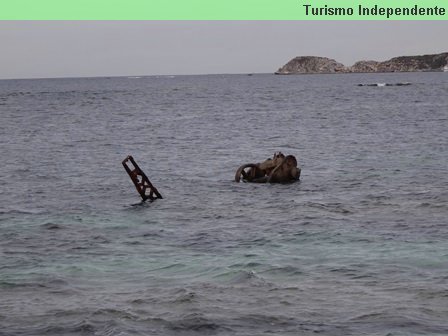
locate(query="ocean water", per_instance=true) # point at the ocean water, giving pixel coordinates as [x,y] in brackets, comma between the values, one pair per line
[357,247]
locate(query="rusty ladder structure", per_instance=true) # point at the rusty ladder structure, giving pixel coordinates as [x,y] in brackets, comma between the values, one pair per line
[140,180]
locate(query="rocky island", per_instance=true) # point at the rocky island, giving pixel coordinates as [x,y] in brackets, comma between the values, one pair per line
[318,65]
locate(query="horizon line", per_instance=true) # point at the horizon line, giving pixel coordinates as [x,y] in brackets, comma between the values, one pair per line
[140,76]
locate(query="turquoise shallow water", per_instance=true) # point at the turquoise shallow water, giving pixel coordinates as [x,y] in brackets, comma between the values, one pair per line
[358,247]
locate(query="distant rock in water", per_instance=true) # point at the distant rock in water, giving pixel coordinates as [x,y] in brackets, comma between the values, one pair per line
[315,64]
[386,84]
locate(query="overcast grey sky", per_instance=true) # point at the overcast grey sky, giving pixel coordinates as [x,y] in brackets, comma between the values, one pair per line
[35,49]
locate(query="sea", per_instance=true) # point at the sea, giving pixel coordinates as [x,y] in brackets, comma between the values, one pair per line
[359,246]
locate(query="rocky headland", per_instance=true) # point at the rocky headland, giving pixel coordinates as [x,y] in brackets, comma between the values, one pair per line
[316,65]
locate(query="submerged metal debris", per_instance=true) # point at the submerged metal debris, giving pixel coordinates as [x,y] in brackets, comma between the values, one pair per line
[140,180]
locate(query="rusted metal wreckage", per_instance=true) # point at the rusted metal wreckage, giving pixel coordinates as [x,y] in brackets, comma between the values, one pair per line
[278,169]
[144,187]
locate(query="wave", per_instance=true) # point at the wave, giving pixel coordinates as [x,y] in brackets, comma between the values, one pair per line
[331,207]
[195,322]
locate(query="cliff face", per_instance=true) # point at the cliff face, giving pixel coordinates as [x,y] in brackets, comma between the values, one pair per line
[314,64]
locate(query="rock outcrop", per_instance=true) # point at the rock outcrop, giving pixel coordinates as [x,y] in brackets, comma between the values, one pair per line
[311,64]
[315,64]
[364,66]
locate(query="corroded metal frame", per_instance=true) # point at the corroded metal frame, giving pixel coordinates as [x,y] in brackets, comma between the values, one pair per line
[140,180]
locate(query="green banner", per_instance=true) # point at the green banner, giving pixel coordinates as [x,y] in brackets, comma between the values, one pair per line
[223,10]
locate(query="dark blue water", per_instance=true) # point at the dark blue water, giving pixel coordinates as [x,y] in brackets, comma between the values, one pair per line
[358,247]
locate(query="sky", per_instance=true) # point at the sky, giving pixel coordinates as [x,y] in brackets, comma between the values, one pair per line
[47,49]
